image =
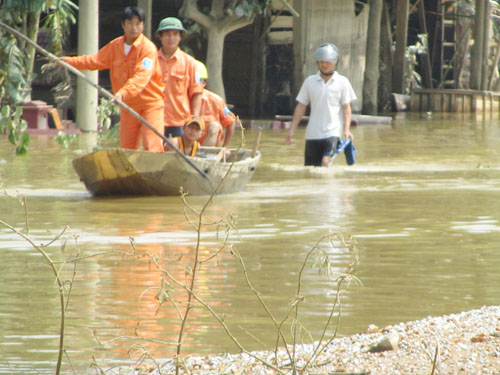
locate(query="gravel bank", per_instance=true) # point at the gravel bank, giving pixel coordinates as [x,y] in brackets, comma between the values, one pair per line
[467,343]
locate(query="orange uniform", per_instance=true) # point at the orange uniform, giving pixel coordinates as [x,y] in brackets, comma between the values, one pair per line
[214,109]
[181,84]
[137,76]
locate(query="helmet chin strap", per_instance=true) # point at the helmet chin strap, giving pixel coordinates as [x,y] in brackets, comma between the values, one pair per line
[327,74]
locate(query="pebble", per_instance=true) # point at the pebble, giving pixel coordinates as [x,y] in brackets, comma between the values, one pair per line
[466,344]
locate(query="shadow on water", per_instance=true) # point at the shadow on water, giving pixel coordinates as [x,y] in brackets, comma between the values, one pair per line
[421,201]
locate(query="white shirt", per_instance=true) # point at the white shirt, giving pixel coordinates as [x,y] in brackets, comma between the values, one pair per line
[126,48]
[326,100]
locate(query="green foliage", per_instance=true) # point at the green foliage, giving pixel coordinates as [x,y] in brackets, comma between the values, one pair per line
[412,78]
[108,132]
[24,5]
[60,14]
[109,137]
[105,111]
[15,127]
[65,140]
[241,8]
[246,8]
[11,71]
[16,59]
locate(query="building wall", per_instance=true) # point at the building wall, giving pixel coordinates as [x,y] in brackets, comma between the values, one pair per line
[326,21]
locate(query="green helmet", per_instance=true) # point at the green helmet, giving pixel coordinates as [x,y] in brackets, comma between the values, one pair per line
[170,23]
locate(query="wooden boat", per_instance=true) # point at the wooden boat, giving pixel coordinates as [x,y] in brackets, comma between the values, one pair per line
[133,172]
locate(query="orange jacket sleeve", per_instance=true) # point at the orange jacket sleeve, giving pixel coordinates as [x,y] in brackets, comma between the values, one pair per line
[98,61]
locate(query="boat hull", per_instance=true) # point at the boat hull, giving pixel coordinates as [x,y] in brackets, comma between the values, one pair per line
[117,171]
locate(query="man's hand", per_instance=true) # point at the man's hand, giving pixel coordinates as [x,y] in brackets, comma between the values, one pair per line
[289,138]
[60,61]
[118,97]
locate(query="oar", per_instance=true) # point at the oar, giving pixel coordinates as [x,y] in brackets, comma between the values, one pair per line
[105,93]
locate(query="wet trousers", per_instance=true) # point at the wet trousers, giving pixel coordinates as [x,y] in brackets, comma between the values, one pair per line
[133,131]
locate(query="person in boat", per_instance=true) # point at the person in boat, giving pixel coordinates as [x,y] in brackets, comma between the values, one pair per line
[188,142]
[182,86]
[220,122]
[329,94]
[136,79]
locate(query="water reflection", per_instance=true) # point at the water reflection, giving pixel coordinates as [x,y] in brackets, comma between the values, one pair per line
[421,202]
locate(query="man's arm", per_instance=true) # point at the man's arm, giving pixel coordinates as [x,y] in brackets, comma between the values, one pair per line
[298,113]
[196,104]
[229,131]
[347,114]
[174,142]
[97,61]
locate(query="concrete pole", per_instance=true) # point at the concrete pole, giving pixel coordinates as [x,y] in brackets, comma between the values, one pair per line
[147,7]
[88,43]
[370,86]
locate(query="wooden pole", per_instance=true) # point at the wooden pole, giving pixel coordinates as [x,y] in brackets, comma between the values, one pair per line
[398,71]
[427,60]
[477,48]
[256,142]
[486,44]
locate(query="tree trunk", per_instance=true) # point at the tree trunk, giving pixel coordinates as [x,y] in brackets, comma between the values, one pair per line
[217,24]
[476,59]
[215,51]
[33,22]
[385,67]
[147,7]
[372,58]
[254,71]
[258,67]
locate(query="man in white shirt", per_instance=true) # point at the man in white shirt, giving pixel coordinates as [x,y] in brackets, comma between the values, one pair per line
[330,95]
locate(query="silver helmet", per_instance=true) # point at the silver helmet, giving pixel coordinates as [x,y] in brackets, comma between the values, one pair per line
[327,52]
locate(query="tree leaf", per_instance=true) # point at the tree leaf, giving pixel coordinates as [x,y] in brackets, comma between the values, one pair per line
[21,150]
[25,139]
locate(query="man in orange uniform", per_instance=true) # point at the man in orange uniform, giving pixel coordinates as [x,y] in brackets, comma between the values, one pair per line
[135,79]
[215,113]
[182,87]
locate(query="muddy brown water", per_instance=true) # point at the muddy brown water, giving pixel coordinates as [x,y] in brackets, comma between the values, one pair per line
[422,202]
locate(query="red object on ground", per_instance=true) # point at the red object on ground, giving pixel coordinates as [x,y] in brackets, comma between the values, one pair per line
[36,114]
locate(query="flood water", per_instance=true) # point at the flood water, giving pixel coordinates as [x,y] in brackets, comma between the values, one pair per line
[422,203]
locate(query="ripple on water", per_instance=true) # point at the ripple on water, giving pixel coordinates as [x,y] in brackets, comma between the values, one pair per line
[481,225]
